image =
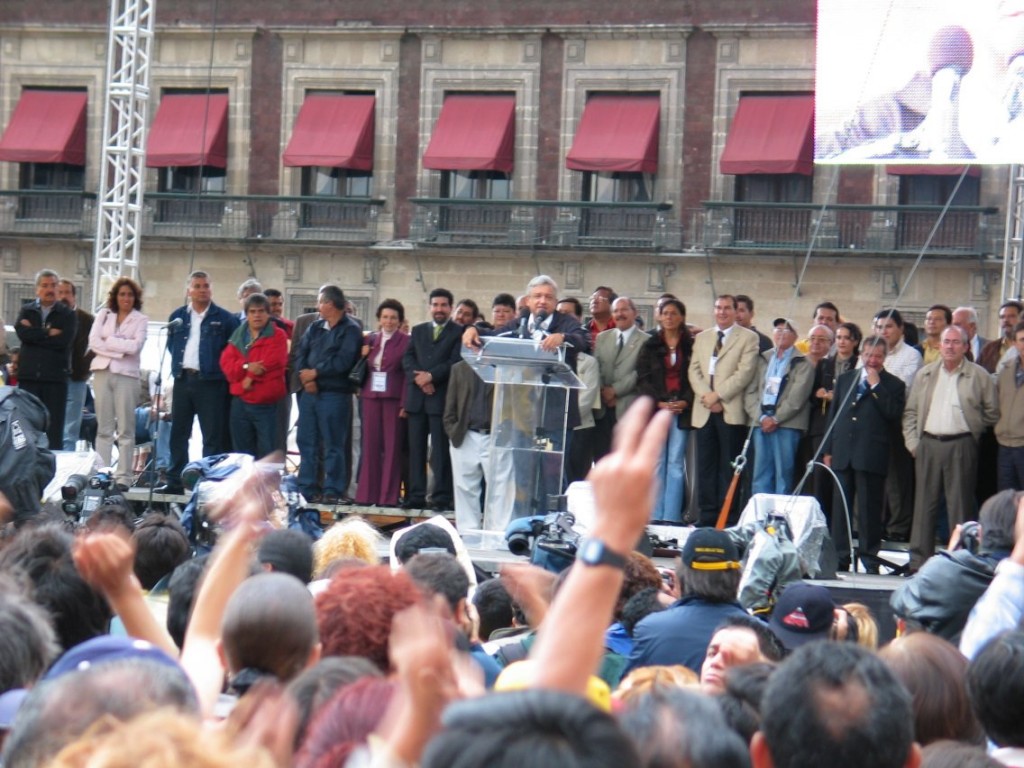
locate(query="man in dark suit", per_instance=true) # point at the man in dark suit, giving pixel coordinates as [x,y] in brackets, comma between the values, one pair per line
[865,406]
[433,349]
[551,330]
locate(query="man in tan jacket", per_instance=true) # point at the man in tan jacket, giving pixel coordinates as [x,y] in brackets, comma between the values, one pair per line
[1010,427]
[949,406]
[723,363]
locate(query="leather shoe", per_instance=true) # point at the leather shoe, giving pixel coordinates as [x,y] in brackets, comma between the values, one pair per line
[121,488]
[170,489]
[412,503]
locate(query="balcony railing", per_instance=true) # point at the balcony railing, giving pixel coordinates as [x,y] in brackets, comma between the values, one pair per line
[222,217]
[237,217]
[965,230]
[551,223]
[48,212]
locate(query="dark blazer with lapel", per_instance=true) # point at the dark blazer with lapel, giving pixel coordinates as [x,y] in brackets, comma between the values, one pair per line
[436,357]
[860,438]
[579,341]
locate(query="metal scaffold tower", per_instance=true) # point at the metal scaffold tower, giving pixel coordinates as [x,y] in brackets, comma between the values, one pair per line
[119,223]
[1013,267]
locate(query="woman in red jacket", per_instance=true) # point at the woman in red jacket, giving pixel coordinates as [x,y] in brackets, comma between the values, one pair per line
[253,362]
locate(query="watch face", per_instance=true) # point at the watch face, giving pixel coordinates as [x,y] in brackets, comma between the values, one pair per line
[591,551]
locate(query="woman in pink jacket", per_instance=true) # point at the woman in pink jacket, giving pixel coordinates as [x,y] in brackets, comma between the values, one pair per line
[116,338]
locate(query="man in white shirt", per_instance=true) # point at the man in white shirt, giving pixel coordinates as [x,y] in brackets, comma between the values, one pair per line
[902,361]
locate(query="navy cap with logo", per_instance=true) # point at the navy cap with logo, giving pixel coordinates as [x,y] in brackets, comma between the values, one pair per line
[804,612]
[708,549]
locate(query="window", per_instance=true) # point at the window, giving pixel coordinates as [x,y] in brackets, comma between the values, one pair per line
[476,185]
[958,230]
[618,187]
[324,182]
[193,179]
[46,137]
[773,188]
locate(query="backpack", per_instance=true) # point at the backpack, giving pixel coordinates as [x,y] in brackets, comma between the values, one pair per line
[26,463]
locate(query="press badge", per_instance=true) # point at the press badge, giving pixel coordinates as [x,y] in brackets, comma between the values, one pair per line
[379,383]
[772,385]
[712,365]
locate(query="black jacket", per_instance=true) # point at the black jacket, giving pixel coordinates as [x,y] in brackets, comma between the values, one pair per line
[940,596]
[650,373]
[45,357]
[862,434]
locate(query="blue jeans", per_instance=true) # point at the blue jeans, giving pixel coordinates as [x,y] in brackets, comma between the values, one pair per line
[253,427]
[158,433]
[671,477]
[73,413]
[774,460]
[323,418]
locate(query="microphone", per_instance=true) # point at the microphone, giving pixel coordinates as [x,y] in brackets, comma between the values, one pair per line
[524,323]
[950,57]
[951,47]
[175,323]
[541,316]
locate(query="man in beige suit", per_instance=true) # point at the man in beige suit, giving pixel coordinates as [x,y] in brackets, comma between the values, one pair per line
[948,408]
[616,351]
[724,361]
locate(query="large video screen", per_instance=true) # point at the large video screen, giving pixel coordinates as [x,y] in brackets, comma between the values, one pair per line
[920,81]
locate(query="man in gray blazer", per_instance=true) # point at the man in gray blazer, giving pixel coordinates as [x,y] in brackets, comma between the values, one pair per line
[616,351]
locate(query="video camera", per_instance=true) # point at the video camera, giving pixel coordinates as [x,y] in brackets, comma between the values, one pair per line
[81,495]
[548,540]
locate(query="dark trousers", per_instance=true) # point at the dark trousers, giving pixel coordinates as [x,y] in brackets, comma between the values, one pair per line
[422,426]
[206,399]
[718,444]
[253,427]
[899,488]
[579,458]
[864,492]
[54,395]
[1011,468]
[944,468]
[604,430]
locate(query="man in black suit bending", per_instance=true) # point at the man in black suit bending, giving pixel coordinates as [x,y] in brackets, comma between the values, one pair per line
[857,448]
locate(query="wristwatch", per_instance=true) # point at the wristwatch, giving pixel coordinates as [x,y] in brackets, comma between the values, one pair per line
[596,552]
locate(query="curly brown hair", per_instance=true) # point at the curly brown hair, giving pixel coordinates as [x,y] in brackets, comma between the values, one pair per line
[356,609]
[118,284]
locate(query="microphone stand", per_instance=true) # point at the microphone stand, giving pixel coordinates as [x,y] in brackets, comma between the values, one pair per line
[159,394]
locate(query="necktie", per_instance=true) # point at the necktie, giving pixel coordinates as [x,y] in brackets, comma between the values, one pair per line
[1018,375]
[437,331]
[862,388]
[718,348]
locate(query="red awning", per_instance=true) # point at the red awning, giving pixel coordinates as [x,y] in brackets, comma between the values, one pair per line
[617,133]
[771,134]
[46,127]
[333,130]
[189,129]
[475,132]
[932,170]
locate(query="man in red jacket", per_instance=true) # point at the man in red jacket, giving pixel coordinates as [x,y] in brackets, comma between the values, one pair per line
[253,362]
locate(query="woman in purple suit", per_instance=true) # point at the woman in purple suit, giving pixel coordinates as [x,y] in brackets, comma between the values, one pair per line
[383,396]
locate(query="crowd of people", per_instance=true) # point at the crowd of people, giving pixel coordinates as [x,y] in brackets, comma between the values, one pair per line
[118,647]
[121,645]
[911,430]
